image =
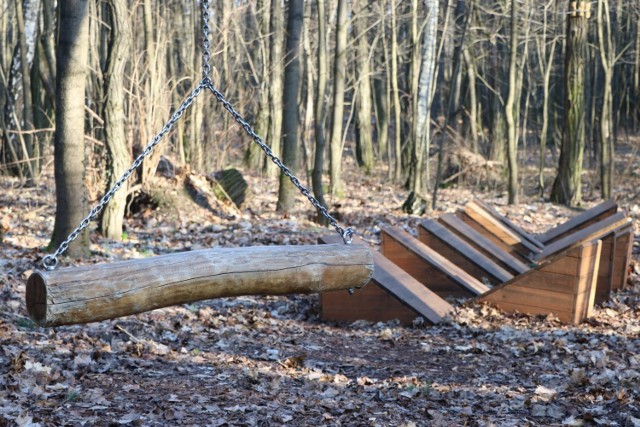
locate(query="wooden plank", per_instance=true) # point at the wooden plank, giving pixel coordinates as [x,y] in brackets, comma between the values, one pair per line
[622,257]
[498,229]
[588,281]
[393,237]
[105,291]
[531,297]
[563,316]
[484,244]
[398,286]
[597,213]
[592,232]
[605,269]
[461,253]
[507,222]
[370,303]
[422,270]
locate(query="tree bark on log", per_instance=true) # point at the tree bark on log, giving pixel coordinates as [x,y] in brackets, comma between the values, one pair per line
[98,292]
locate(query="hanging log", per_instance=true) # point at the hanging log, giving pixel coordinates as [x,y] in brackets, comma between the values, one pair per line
[105,291]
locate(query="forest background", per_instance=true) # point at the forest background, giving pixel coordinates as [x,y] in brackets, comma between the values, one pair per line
[421,94]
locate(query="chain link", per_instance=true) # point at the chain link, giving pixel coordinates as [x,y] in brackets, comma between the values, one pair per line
[345,233]
[206,43]
[51,261]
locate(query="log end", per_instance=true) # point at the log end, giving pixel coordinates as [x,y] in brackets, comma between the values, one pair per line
[37,298]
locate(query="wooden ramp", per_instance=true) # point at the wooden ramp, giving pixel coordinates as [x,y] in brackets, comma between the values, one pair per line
[578,222]
[391,294]
[428,266]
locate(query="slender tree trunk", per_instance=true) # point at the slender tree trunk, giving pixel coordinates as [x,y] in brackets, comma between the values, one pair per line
[607,53]
[254,156]
[320,107]
[509,109]
[274,138]
[567,185]
[290,146]
[71,69]
[416,203]
[395,94]
[339,71]
[364,131]
[114,118]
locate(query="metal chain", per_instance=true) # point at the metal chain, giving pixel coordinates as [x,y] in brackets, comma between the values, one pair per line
[206,43]
[50,262]
[345,233]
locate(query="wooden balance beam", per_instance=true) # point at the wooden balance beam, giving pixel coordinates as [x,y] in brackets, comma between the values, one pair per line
[105,291]
[428,266]
[391,294]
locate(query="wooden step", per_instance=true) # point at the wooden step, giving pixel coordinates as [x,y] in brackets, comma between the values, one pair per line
[502,232]
[586,218]
[564,285]
[391,294]
[427,266]
[462,254]
[507,222]
[482,243]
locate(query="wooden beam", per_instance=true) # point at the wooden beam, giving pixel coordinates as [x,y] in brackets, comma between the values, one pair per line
[484,244]
[594,231]
[586,218]
[97,292]
[498,229]
[462,254]
[507,222]
[427,266]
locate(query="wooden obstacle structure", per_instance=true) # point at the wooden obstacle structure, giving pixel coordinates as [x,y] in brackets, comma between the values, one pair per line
[478,254]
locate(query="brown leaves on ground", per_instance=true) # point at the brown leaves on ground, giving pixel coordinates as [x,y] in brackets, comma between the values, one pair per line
[267,361]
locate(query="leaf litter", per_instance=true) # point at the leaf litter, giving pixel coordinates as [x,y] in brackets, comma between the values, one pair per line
[267,361]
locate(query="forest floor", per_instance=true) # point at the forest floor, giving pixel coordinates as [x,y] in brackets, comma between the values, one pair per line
[267,361]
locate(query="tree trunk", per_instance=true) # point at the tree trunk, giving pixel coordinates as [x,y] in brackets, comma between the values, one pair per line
[567,185]
[69,162]
[254,156]
[607,53]
[510,107]
[395,94]
[364,131]
[114,118]
[416,203]
[287,193]
[274,138]
[339,71]
[320,109]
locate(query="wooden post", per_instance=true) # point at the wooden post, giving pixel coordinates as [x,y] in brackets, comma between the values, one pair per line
[98,292]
